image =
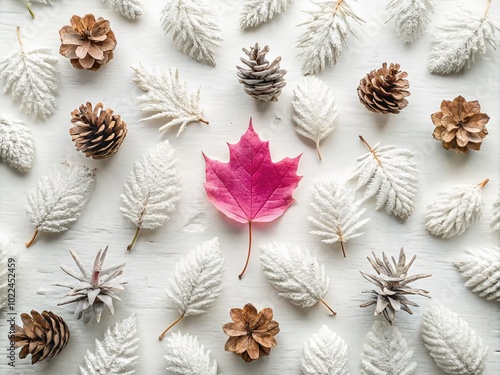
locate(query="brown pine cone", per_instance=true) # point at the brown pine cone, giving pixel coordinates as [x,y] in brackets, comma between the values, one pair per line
[384,90]
[43,336]
[98,133]
[88,42]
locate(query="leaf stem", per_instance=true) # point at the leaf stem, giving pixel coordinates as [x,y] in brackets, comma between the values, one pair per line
[249,249]
[343,248]
[203,121]
[337,7]
[318,151]
[29,9]
[170,326]
[30,242]
[371,150]
[481,185]
[19,37]
[328,307]
[487,9]
[131,245]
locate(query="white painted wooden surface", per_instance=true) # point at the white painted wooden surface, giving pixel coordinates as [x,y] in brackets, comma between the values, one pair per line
[228,109]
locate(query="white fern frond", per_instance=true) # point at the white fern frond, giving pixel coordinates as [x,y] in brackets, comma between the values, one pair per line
[454,210]
[5,249]
[115,355]
[193,27]
[411,17]
[17,146]
[167,96]
[256,12]
[325,353]
[130,9]
[481,268]
[454,346]
[495,223]
[314,110]
[385,352]
[326,35]
[186,356]
[391,174]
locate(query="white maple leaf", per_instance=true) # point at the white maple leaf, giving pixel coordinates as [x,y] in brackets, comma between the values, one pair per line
[256,12]
[411,17]
[17,146]
[167,96]
[455,347]
[131,9]
[186,356]
[326,35]
[314,110]
[481,268]
[385,352]
[5,249]
[151,189]
[495,223]
[391,174]
[115,355]
[193,27]
[325,353]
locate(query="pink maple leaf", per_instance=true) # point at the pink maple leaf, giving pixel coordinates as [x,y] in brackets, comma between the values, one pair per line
[251,188]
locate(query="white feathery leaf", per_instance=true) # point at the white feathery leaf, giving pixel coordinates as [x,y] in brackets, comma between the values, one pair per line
[391,174]
[454,210]
[325,38]
[186,356]
[314,110]
[325,353]
[256,12]
[115,355]
[5,249]
[455,347]
[495,223]
[130,9]
[463,35]
[193,27]
[17,146]
[411,17]
[481,268]
[385,352]
[167,96]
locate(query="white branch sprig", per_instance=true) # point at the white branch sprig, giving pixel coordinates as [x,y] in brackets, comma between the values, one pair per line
[256,12]
[130,9]
[411,17]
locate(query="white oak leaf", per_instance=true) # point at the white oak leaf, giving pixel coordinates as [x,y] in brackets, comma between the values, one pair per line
[5,249]
[17,146]
[481,268]
[256,12]
[167,96]
[455,347]
[495,223]
[130,9]
[314,110]
[411,17]
[385,352]
[325,353]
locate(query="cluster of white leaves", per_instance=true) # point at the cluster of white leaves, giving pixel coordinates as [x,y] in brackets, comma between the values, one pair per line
[115,355]
[455,347]
[193,27]
[17,146]
[495,223]
[325,38]
[411,17]
[256,12]
[5,249]
[481,268]
[131,9]
[386,352]
[167,96]
[186,356]
[314,110]
[325,353]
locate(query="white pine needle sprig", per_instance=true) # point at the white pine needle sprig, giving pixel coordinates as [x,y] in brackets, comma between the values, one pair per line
[455,347]
[115,355]
[151,189]
[186,356]
[130,9]
[296,274]
[58,199]
[325,353]
[197,281]
[454,210]
[386,352]
[256,12]
[411,17]
[326,35]
[167,96]
[481,268]
[314,110]
[495,223]
[17,146]
[31,78]
[193,27]
[391,174]
[5,249]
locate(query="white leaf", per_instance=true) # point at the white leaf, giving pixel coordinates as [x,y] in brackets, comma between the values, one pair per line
[481,268]
[186,356]
[115,355]
[463,35]
[314,110]
[131,9]
[386,352]
[411,17]
[325,38]
[455,347]
[495,223]
[454,210]
[5,249]
[167,96]
[391,174]
[256,12]
[17,146]
[325,353]
[193,27]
